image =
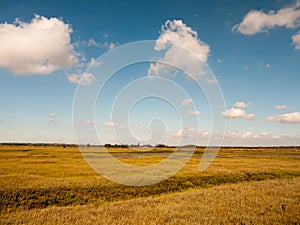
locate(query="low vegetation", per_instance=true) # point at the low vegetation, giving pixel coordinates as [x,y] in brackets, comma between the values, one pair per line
[41,181]
[264,202]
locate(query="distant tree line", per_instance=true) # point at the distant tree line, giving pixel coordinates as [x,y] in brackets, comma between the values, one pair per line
[40,144]
[143,146]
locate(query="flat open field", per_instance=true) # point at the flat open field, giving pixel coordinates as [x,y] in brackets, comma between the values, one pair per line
[55,185]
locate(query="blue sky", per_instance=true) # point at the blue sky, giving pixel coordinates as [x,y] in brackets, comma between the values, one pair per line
[252,48]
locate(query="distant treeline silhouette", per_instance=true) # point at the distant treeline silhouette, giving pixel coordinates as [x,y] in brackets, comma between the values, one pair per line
[141,146]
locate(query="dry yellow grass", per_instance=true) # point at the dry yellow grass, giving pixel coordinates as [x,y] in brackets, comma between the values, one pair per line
[52,166]
[37,182]
[265,202]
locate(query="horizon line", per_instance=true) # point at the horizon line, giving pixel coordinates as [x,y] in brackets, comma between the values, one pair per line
[145,145]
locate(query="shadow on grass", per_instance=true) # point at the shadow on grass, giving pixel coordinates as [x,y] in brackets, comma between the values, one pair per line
[69,196]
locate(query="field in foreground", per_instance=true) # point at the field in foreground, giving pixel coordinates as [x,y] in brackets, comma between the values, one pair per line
[264,202]
[243,185]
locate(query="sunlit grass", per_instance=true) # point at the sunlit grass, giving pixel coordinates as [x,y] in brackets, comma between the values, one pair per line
[264,202]
[44,176]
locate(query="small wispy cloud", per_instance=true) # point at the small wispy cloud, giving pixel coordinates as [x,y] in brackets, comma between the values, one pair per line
[52,115]
[296,40]
[262,65]
[52,119]
[91,42]
[235,113]
[185,132]
[86,122]
[241,105]
[211,81]
[123,127]
[94,63]
[107,45]
[281,107]
[84,79]
[143,129]
[194,113]
[233,138]
[186,101]
[285,118]
[109,124]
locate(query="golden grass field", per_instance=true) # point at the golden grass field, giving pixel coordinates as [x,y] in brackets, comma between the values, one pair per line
[55,185]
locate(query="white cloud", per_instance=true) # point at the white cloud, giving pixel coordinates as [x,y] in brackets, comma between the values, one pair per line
[231,138]
[261,139]
[186,132]
[296,40]
[194,113]
[247,135]
[285,118]
[211,81]
[52,119]
[178,133]
[84,79]
[261,65]
[93,63]
[81,123]
[264,134]
[257,21]
[251,136]
[241,105]
[281,107]
[52,115]
[122,127]
[186,101]
[108,45]
[143,129]
[235,113]
[39,47]
[91,42]
[177,33]
[109,124]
